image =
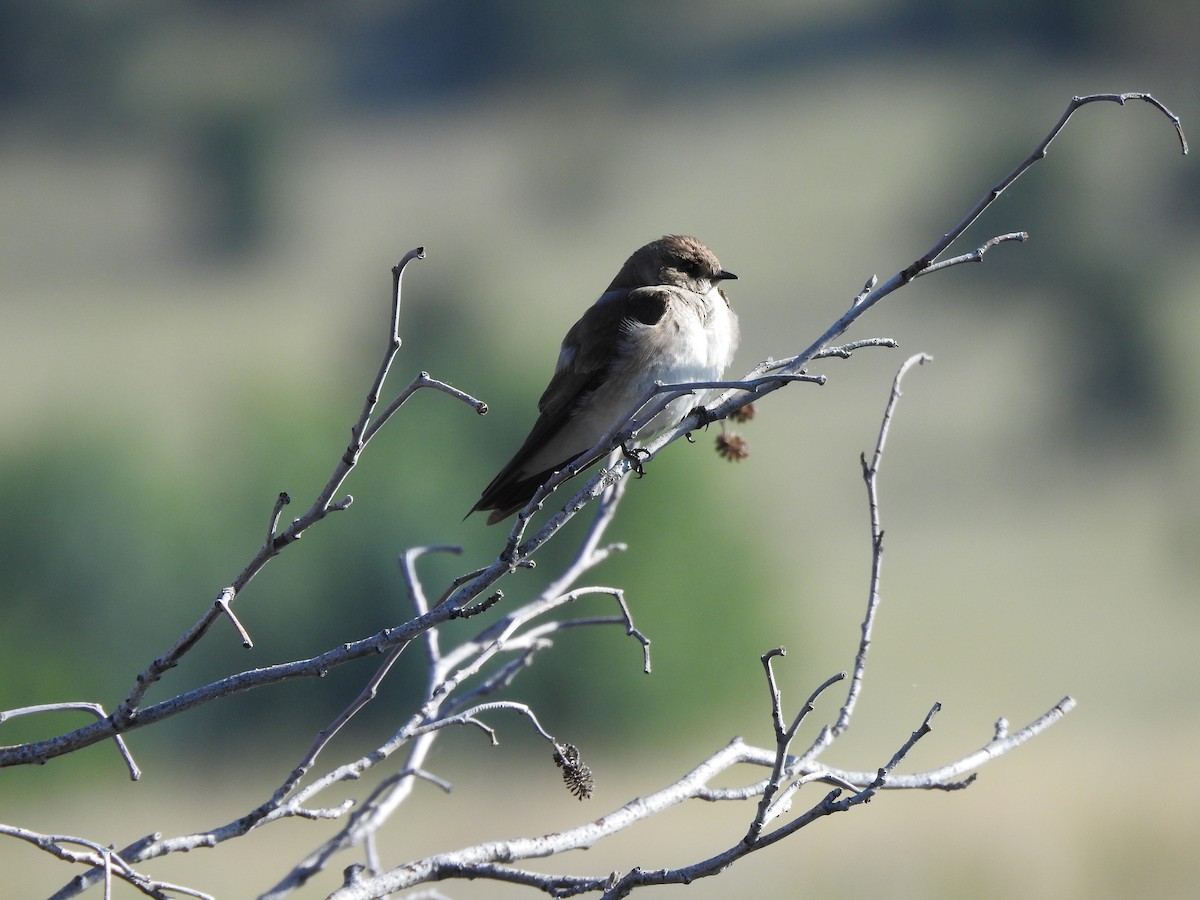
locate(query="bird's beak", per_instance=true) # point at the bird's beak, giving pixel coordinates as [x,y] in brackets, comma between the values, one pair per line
[725,276]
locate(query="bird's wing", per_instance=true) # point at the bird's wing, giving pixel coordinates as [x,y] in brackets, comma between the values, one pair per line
[583,363]
[587,350]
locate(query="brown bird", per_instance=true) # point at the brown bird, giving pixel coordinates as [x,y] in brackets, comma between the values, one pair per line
[663,319]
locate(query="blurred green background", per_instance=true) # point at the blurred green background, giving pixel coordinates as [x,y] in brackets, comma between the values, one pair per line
[201,205]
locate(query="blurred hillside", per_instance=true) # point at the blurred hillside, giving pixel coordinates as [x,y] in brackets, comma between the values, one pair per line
[202,202]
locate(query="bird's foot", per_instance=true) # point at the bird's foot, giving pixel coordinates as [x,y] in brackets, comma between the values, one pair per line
[706,418]
[636,456]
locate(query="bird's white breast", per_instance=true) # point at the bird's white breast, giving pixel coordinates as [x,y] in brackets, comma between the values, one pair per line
[694,341]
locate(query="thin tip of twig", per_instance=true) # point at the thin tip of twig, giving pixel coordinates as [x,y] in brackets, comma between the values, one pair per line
[223,603]
[415,253]
[135,774]
[868,286]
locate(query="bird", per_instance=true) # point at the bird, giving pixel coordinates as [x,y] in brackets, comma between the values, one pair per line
[664,318]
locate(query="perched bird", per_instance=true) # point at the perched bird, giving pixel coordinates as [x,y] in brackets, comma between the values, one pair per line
[664,318]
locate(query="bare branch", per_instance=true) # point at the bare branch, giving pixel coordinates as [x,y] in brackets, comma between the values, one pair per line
[1038,153]
[871,477]
[102,860]
[975,255]
[844,351]
[423,380]
[768,808]
[95,709]
[359,428]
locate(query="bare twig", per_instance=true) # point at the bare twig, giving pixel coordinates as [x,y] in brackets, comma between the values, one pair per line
[975,255]
[870,473]
[767,808]
[101,859]
[423,380]
[95,709]
[223,604]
